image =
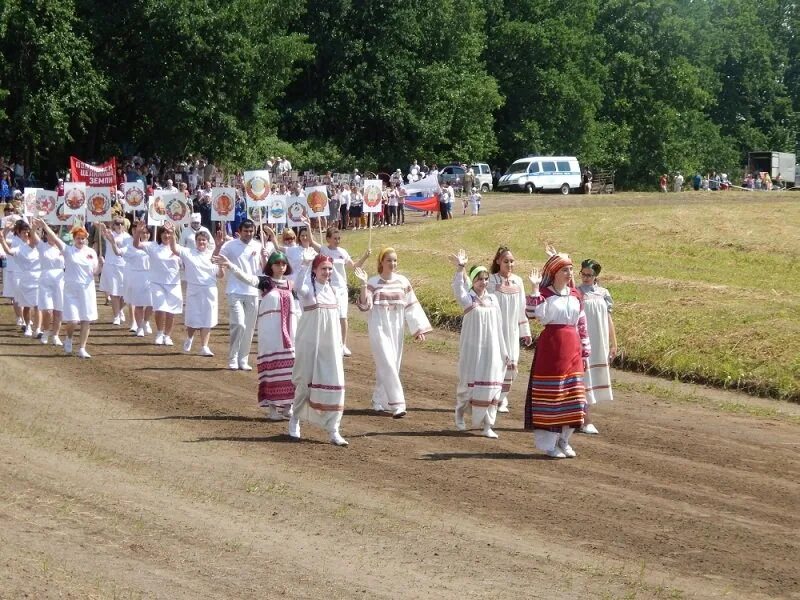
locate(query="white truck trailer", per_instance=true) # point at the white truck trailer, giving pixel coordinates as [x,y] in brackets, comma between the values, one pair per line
[781,164]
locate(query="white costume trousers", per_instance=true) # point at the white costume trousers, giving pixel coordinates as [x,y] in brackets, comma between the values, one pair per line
[243,311]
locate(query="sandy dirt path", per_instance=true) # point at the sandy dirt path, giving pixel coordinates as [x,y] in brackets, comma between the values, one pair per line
[144,473]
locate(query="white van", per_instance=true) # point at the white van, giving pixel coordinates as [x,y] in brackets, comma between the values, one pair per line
[537,173]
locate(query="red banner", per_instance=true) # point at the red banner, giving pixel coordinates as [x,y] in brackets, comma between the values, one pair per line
[101,175]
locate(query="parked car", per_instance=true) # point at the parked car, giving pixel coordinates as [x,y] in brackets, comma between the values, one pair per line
[539,173]
[454,175]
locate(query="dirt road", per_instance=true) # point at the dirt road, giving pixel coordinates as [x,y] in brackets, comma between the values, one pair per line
[144,473]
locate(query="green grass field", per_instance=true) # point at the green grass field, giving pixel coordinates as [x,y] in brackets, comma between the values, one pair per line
[705,291]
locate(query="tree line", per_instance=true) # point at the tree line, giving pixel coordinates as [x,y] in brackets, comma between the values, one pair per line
[640,86]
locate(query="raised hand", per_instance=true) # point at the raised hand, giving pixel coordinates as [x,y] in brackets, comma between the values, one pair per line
[535,278]
[361,275]
[549,250]
[308,255]
[219,237]
[169,226]
[459,259]
[221,260]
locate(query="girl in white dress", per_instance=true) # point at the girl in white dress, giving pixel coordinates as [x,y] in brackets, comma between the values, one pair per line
[202,304]
[392,306]
[50,296]
[137,281]
[509,290]
[483,355]
[318,373]
[278,314]
[81,264]
[597,304]
[25,254]
[112,278]
[165,281]
[11,274]
[341,259]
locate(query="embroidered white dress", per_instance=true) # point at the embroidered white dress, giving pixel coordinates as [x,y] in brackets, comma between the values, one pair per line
[597,304]
[510,294]
[482,357]
[318,373]
[392,306]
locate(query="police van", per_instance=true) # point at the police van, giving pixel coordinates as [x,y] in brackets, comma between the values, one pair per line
[539,173]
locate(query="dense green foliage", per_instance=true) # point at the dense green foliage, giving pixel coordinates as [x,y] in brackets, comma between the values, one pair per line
[642,86]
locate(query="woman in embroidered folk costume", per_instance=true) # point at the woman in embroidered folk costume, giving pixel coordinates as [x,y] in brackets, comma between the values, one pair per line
[392,305]
[556,401]
[483,355]
[318,373]
[278,314]
[598,305]
[510,293]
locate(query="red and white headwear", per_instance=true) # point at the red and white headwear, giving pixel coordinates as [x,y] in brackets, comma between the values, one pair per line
[553,265]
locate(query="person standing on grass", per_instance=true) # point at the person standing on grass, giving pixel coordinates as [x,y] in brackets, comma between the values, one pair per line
[278,314]
[598,305]
[392,306]
[341,259]
[201,290]
[247,254]
[555,404]
[165,280]
[112,278]
[509,290]
[482,356]
[475,202]
[81,264]
[318,372]
[25,254]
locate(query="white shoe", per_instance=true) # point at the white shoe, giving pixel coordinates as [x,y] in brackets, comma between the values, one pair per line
[377,407]
[294,428]
[45,337]
[134,328]
[147,329]
[338,440]
[68,346]
[489,433]
[121,316]
[503,408]
[37,334]
[274,415]
[115,320]
[168,341]
[233,365]
[399,413]
[140,332]
[590,429]
[82,353]
[159,339]
[346,351]
[57,341]
[566,448]
[460,425]
[206,351]
[28,331]
[243,366]
[556,453]
[20,322]
[187,344]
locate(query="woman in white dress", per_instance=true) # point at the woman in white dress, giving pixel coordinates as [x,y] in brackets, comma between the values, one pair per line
[81,264]
[509,290]
[202,304]
[597,304]
[137,281]
[25,254]
[112,278]
[392,306]
[318,373]
[10,273]
[341,259]
[50,295]
[165,281]
[483,356]
[278,314]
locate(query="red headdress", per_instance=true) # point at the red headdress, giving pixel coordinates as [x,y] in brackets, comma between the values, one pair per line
[553,265]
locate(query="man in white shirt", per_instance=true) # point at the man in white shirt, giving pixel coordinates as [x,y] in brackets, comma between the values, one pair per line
[246,253]
[188,234]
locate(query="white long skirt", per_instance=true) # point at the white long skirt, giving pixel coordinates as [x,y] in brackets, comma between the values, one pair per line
[80,302]
[386,329]
[112,280]
[27,290]
[137,288]
[201,306]
[598,376]
[51,291]
[167,297]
